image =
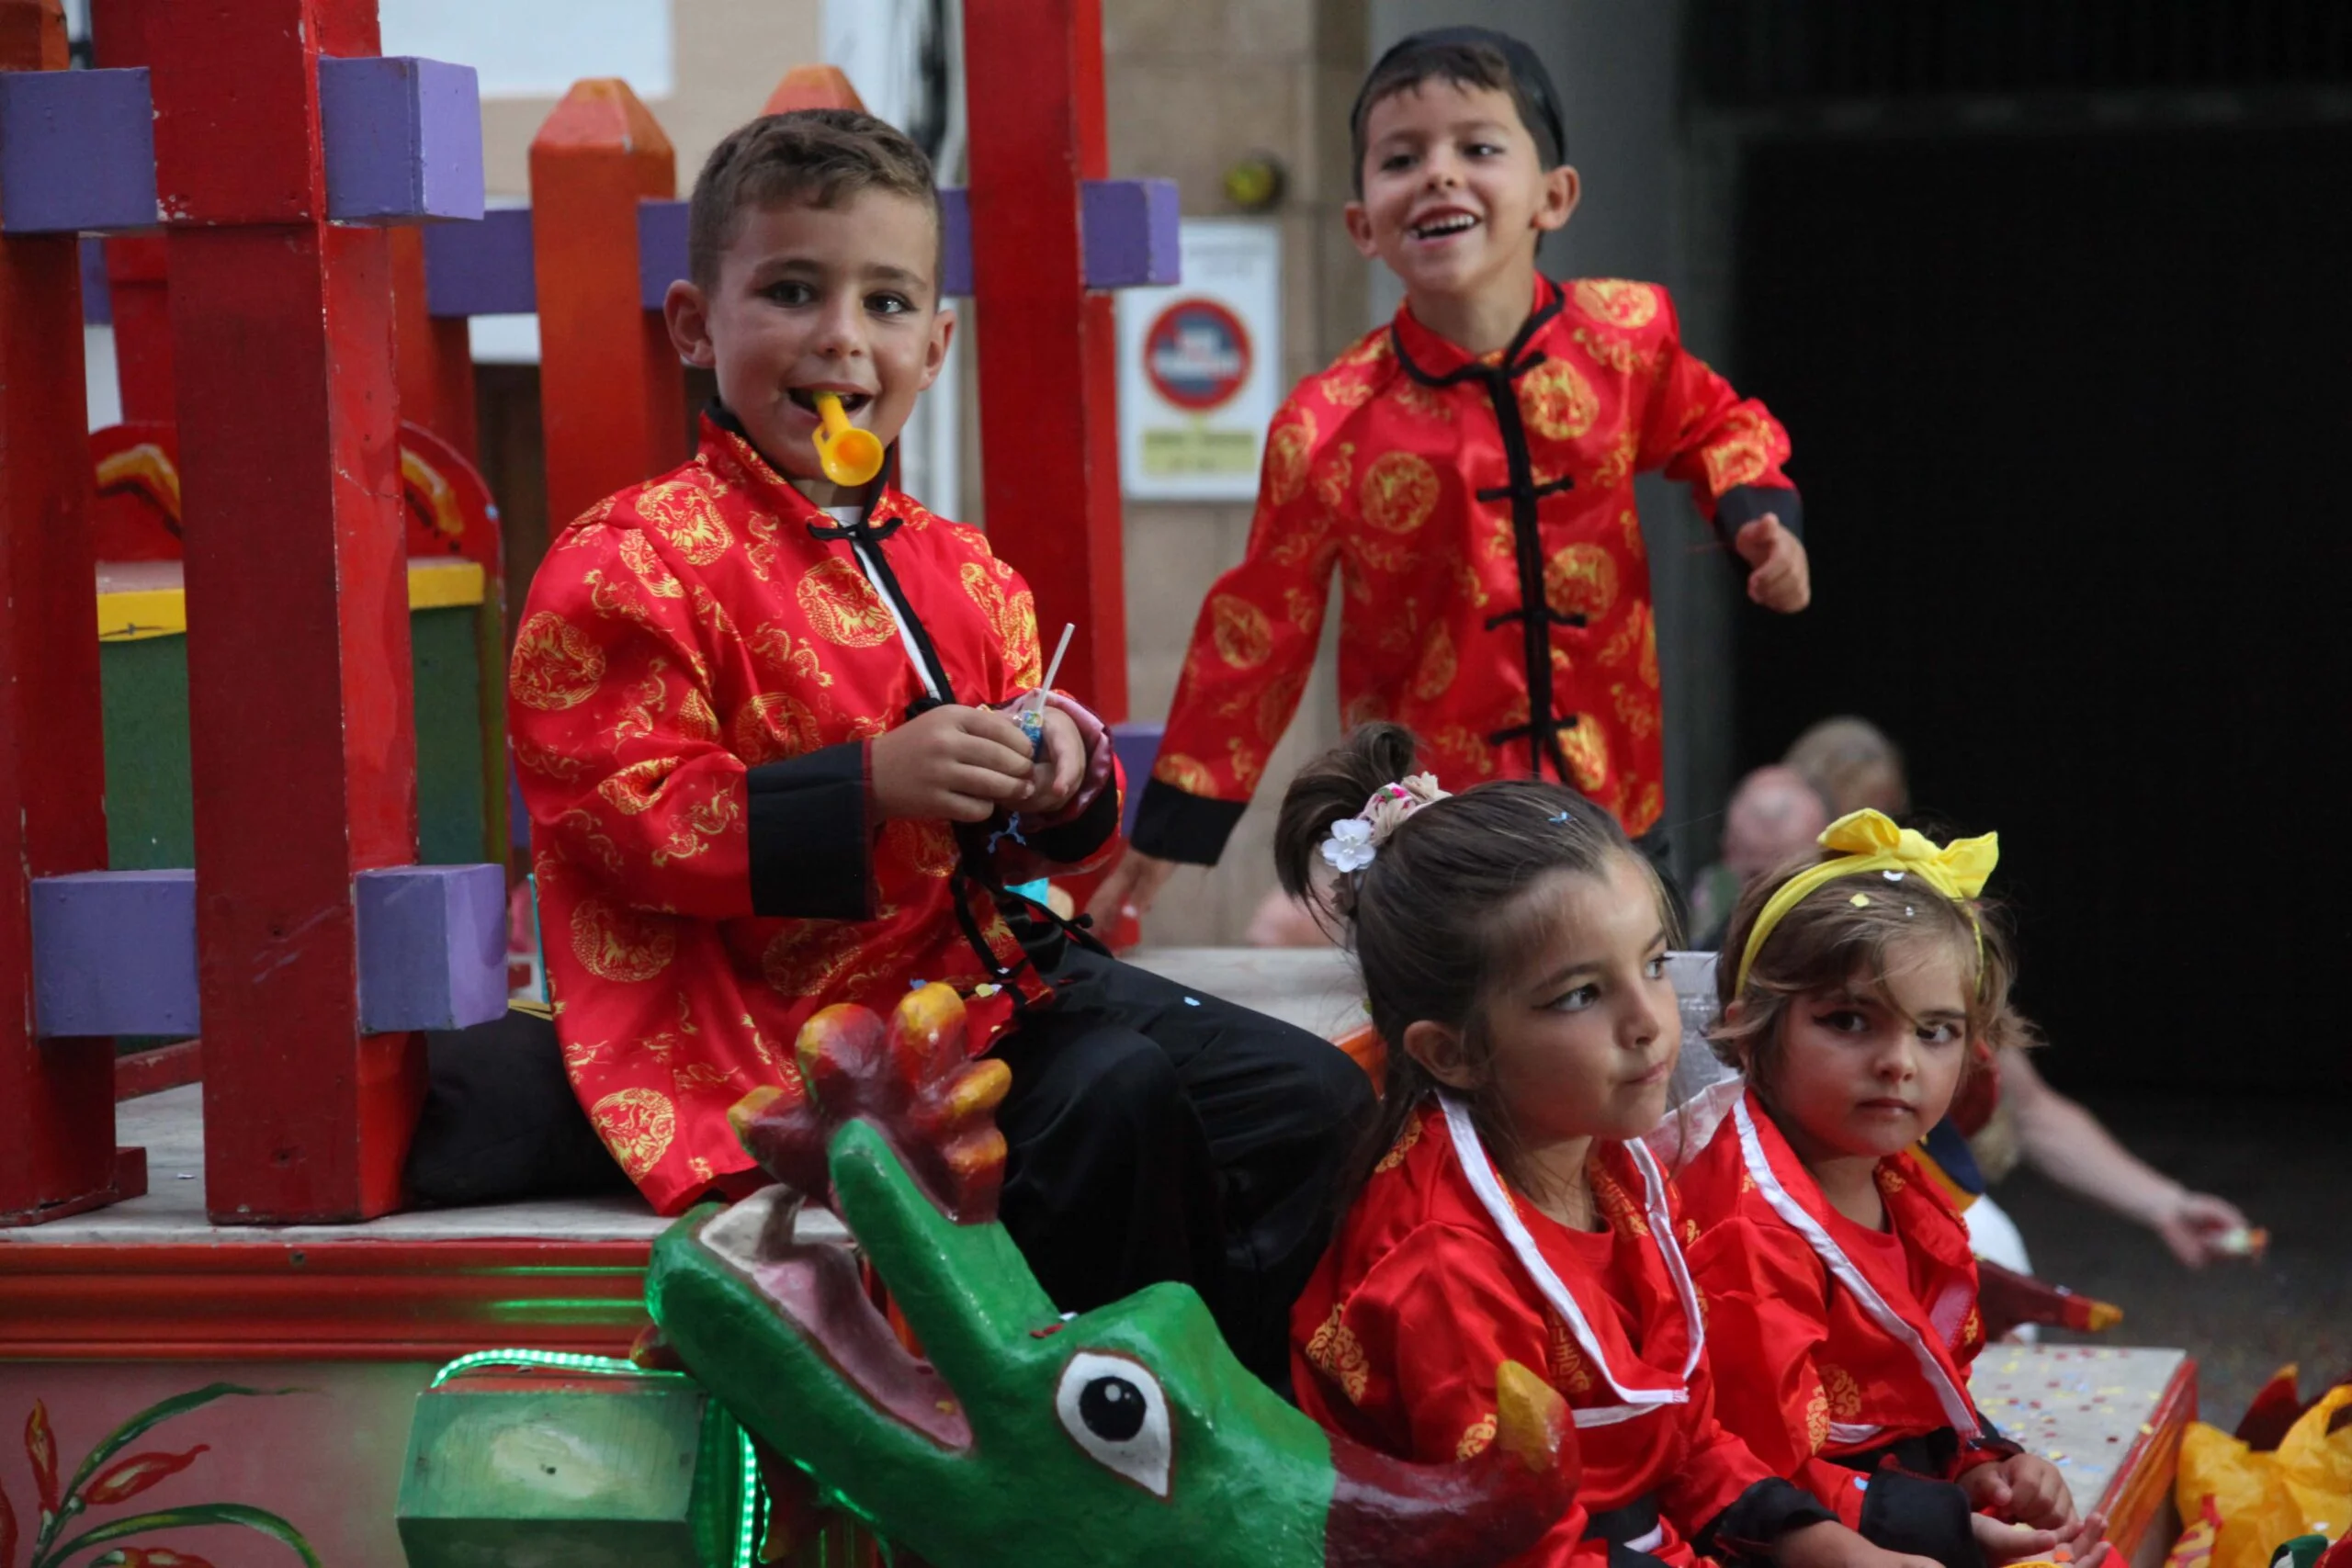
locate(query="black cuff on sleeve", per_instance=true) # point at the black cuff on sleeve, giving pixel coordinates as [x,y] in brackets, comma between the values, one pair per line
[1083,834]
[1743,504]
[1758,1519]
[1912,1514]
[807,823]
[1174,825]
[1989,1444]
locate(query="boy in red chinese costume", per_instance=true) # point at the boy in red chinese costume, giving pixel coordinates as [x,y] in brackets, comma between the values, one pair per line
[763,725]
[1856,981]
[1467,468]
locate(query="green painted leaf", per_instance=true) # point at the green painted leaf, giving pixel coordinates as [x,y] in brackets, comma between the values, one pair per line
[156,1415]
[260,1519]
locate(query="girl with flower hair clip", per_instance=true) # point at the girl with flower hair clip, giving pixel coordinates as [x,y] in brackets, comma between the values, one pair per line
[1505,1221]
[1858,985]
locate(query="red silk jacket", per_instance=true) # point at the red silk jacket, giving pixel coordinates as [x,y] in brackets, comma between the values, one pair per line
[700,664]
[1421,1297]
[1853,1346]
[1480,515]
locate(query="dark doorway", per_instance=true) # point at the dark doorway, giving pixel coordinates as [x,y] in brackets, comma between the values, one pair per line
[2072,415]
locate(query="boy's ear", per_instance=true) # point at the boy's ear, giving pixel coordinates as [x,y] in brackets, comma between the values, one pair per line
[1562,191]
[935,351]
[1359,223]
[1440,1052]
[686,313]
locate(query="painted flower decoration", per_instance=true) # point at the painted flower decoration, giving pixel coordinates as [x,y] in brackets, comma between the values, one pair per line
[1350,847]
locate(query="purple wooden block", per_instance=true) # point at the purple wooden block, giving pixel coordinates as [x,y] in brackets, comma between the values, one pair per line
[114,953]
[432,947]
[402,140]
[1130,228]
[77,151]
[955,246]
[481,269]
[661,249]
[1138,746]
[97,297]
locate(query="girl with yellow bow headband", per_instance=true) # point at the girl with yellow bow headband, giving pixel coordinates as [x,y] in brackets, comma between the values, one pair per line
[1858,986]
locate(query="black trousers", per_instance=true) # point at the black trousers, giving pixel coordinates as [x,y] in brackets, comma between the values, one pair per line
[1160,1134]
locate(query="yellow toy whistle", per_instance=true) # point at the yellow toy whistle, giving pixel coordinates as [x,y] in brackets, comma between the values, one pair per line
[849,455]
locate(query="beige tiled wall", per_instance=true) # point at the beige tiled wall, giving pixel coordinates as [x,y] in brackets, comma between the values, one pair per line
[1192,88]
[728,55]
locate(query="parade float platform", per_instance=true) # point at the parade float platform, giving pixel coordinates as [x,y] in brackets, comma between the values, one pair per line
[106,1313]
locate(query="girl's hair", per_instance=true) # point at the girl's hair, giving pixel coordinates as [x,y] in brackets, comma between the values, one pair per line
[1438,919]
[1828,940]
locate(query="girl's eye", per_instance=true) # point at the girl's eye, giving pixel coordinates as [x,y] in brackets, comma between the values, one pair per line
[1577,1000]
[1844,1020]
[1941,1034]
[1656,968]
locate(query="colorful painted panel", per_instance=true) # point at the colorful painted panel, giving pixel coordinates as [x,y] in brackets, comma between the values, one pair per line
[216,1465]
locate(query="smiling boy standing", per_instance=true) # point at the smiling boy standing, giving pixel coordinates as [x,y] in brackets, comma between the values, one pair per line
[763,727]
[1467,468]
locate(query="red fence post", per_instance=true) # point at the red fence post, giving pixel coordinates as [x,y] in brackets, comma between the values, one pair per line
[57,1150]
[1047,372]
[143,322]
[302,749]
[432,356]
[612,395]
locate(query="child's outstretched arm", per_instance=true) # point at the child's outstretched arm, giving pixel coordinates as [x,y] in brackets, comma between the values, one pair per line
[2067,1143]
[1252,647]
[1729,450]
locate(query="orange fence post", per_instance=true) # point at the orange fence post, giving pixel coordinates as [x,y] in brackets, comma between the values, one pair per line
[612,393]
[57,1150]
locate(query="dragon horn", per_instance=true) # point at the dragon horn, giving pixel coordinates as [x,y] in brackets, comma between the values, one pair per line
[1385,1511]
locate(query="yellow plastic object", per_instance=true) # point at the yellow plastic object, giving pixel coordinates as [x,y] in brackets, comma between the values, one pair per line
[849,455]
[2304,1488]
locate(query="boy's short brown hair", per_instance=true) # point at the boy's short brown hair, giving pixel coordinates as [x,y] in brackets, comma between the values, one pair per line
[1465,57]
[822,157]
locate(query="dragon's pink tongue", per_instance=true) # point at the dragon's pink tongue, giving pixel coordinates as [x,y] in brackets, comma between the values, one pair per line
[817,1288]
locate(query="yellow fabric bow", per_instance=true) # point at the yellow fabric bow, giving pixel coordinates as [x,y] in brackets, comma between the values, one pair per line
[1869,841]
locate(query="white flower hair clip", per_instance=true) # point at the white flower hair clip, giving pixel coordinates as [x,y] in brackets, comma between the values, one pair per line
[1350,847]
[1354,840]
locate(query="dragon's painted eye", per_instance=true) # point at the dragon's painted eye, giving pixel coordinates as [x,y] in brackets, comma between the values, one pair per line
[1114,1409]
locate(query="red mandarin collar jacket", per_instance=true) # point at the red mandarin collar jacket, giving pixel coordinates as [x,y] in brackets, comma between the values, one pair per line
[1421,1297]
[1480,515]
[700,665]
[1853,1347]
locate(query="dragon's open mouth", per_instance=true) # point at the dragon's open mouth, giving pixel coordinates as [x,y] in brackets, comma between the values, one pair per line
[1134,1413]
[814,1285]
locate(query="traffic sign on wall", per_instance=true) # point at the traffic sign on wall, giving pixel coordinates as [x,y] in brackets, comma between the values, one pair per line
[1200,363]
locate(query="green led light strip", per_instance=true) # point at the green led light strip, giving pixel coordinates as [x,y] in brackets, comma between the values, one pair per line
[753,1491]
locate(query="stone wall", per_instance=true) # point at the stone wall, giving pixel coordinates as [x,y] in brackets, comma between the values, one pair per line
[1192,89]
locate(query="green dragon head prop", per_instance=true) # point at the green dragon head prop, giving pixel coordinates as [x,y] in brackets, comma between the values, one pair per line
[1128,1435]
